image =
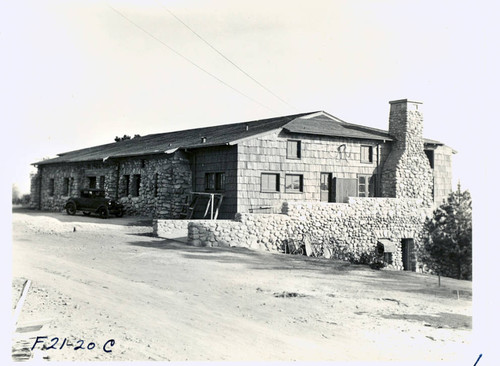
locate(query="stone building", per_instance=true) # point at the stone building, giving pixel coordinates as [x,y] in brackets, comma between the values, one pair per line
[352,188]
[256,166]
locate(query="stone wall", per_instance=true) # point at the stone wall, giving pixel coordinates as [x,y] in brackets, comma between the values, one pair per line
[35,191]
[54,184]
[319,154]
[165,228]
[165,182]
[343,231]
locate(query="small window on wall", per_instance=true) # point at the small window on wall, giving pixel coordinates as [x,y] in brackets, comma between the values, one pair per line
[102,179]
[220,181]
[126,185]
[156,185]
[209,181]
[215,181]
[293,149]
[92,182]
[51,187]
[66,187]
[366,154]
[366,185]
[136,185]
[270,182]
[294,183]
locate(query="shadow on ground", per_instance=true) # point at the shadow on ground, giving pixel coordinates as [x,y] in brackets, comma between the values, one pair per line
[414,283]
[441,320]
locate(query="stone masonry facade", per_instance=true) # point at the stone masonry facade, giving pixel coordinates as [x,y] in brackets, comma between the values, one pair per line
[145,185]
[395,165]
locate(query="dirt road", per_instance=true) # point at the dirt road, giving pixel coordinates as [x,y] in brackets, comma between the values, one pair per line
[100,280]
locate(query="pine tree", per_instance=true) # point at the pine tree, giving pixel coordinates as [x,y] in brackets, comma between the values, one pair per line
[447,244]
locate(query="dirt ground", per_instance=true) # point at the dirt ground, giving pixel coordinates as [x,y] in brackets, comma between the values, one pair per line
[99,280]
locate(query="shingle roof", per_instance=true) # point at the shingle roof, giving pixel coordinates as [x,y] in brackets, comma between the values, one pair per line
[324,124]
[315,123]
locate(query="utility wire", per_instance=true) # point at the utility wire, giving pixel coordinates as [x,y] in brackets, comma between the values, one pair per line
[188,60]
[228,60]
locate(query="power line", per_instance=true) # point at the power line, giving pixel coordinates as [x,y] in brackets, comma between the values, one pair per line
[188,60]
[228,60]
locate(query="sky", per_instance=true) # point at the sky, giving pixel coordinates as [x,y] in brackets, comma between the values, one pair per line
[78,73]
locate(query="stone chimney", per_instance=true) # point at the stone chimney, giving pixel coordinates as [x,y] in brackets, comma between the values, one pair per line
[407,172]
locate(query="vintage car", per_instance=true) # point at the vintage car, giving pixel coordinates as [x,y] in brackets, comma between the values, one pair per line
[94,201]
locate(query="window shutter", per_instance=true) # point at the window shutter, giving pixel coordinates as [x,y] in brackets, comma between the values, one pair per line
[345,188]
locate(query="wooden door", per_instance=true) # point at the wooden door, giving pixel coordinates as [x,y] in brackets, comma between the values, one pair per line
[408,254]
[325,187]
[345,188]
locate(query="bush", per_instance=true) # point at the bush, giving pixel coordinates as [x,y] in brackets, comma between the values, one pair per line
[371,259]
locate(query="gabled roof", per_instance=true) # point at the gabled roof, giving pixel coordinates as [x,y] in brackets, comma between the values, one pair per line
[324,124]
[315,123]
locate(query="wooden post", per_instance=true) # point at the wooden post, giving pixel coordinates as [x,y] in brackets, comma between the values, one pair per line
[212,206]
[439,280]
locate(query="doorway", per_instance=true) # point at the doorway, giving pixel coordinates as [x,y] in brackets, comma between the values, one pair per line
[408,254]
[325,189]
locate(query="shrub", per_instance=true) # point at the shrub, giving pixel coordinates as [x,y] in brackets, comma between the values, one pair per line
[447,239]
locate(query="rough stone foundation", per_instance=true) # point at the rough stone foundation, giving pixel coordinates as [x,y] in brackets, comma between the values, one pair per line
[337,230]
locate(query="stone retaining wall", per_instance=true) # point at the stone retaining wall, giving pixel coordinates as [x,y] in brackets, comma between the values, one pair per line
[343,231]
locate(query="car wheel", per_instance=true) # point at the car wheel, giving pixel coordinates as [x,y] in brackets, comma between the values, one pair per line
[86,213]
[71,208]
[103,212]
[119,212]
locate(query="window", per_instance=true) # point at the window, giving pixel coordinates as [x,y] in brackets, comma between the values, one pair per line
[92,182]
[294,183]
[126,185]
[143,163]
[102,179]
[156,185]
[366,154]
[209,181]
[215,181]
[220,181]
[136,185]
[66,187]
[366,185]
[270,182]
[293,149]
[51,187]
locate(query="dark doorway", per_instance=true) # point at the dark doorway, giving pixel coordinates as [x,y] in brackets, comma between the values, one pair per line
[408,254]
[325,194]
